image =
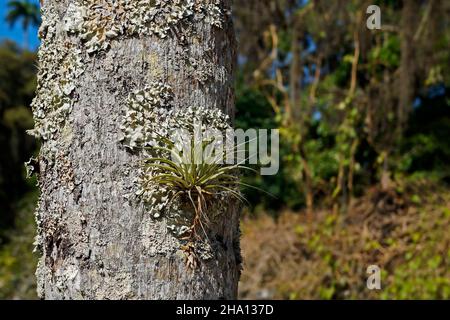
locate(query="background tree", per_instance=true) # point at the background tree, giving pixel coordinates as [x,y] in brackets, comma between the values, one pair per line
[26,12]
[341,94]
[17,194]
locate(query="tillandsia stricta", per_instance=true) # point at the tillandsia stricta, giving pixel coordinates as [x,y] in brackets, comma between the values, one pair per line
[196,176]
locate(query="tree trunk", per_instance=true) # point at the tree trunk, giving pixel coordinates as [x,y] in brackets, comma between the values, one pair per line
[95,234]
[406,82]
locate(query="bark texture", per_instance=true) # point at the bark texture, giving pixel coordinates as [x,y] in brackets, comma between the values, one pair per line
[96,238]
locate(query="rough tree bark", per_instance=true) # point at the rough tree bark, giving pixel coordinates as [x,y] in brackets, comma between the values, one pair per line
[96,237]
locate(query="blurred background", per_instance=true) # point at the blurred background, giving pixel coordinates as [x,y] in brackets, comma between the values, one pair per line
[364,117]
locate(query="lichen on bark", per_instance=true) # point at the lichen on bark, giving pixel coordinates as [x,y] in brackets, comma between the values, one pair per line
[99,21]
[96,235]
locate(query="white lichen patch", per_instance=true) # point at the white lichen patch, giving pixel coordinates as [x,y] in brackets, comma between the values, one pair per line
[74,18]
[97,22]
[144,109]
[60,65]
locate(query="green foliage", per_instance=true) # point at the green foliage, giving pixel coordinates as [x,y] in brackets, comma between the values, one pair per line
[17,259]
[26,12]
[253,111]
[424,273]
[196,175]
[20,117]
[193,174]
[17,202]
[388,54]
[293,258]
[17,83]
[23,10]
[426,146]
[17,76]
[342,128]
[190,174]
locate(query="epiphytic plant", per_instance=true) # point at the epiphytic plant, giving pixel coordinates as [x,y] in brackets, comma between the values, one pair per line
[195,177]
[196,182]
[180,180]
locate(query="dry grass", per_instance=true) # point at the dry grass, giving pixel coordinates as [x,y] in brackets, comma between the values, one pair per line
[403,233]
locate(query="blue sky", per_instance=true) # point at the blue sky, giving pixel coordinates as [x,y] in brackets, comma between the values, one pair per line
[16,33]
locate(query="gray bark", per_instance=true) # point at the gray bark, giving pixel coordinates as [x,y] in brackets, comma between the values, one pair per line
[96,237]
